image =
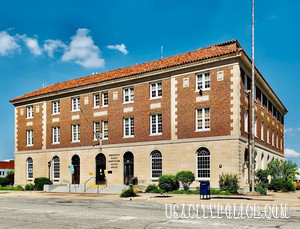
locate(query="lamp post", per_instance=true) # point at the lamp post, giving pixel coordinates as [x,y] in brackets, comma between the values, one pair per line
[49,166]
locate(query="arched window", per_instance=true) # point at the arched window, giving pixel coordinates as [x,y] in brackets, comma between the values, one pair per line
[29,168]
[203,164]
[262,161]
[156,164]
[56,168]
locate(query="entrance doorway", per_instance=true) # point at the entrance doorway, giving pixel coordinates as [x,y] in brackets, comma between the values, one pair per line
[100,167]
[76,174]
[128,168]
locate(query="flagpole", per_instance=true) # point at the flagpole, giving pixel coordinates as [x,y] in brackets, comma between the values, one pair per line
[253,107]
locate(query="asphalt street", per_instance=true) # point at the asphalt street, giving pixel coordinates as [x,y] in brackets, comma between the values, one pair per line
[96,213]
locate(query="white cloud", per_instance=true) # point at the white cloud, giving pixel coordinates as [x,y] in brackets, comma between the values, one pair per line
[83,51]
[121,48]
[50,46]
[291,131]
[8,44]
[290,153]
[32,44]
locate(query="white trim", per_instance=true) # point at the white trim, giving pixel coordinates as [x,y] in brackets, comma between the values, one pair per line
[103,135]
[156,90]
[77,133]
[102,98]
[130,94]
[55,130]
[156,124]
[151,177]
[203,178]
[57,107]
[76,102]
[94,97]
[202,73]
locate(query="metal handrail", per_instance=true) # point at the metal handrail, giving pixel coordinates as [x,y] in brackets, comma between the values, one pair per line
[84,189]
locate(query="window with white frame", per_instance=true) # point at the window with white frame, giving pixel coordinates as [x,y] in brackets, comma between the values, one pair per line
[29,110]
[96,100]
[246,121]
[76,104]
[29,137]
[262,131]
[203,119]
[29,168]
[56,168]
[246,86]
[156,90]
[128,95]
[156,164]
[203,164]
[273,143]
[96,130]
[255,126]
[203,81]
[268,134]
[104,99]
[156,124]
[128,127]
[261,99]
[105,129]
[277,141]
[56,135]
[55,107]
[76,133]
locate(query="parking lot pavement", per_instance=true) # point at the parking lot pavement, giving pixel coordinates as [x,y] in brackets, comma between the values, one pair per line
[41,210]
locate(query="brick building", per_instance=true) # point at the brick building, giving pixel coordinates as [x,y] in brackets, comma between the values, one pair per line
[152,119]
[5,167]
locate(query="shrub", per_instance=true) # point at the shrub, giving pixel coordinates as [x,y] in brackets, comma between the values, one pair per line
[168,183]
[262,188]
[151,187]
[229,182]
[19,188]
[29,187]
[288,186]
[4,181]
[128,193]
[40,182]
[186,178]
[11,177]
[262,179]
[298,187]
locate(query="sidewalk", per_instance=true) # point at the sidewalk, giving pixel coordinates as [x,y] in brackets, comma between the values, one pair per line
[272,198]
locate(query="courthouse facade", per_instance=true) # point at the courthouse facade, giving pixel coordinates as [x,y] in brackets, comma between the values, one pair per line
[185,112]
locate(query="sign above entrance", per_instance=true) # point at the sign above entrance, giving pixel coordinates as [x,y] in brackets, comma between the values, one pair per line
[71,168]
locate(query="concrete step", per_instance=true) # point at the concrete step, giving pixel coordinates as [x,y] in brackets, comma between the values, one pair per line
[75,188]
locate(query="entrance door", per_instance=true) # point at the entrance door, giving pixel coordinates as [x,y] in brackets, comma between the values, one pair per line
[100,167]
[128,168]
[76,174]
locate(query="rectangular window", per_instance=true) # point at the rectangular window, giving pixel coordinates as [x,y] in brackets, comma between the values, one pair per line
[128,95]
[104,99]
[76,104]
[203,81]
[156,90]
[56,135]
[29,137]
[261,99]
[277,141]
[246,122]
[76,133]
[128,127]
[96,130]
[156,124]
[262,131]
[255,126]
[96,100]
[203,119]
[268,106]
[29,111]
[105,129]
[273,143]
[55,107]
[268,135]
[246,82]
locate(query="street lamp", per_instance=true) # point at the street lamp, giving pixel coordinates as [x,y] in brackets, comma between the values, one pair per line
[49,166]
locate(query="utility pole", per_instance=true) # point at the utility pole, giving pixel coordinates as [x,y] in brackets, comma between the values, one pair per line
[252,151]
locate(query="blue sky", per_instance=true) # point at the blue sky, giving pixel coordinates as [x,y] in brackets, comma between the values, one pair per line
[142,27]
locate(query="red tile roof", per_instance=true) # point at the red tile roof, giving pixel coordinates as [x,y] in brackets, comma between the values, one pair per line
[7,164]
[197,55]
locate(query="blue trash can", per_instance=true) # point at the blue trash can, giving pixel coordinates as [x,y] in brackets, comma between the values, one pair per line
[204,190]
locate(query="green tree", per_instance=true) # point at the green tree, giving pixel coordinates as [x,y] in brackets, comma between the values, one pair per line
[186,178]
